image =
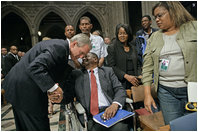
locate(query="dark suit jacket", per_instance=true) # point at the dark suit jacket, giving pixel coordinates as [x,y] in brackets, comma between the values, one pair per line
[27,82]
[110,86]
[3,65]
[141,32]
[9,62]
[117,60]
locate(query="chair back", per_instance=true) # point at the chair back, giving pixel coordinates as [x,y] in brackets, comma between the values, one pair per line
[138,93]
[185,123]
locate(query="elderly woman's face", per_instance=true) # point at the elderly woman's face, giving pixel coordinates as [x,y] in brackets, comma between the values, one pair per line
[162,18]
[122,35]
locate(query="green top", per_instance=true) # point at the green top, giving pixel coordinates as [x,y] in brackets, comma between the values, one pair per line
[187,41]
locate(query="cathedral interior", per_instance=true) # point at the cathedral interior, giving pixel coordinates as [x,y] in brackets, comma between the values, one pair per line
[25,23]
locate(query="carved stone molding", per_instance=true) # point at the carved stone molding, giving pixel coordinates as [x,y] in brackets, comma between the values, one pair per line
[71,11]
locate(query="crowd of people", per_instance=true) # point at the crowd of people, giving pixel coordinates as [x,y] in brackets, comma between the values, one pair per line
[9,59]
[98,71]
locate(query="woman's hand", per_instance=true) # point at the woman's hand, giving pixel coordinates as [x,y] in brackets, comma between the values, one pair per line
[148,99]
[132,79]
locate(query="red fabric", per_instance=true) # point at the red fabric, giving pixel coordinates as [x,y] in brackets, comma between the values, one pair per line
[142,111]
[94,95]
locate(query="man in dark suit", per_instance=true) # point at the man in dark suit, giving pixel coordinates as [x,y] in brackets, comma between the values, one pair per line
[69,33]
[111,95]
[38,73]
[10,60]
[3,55]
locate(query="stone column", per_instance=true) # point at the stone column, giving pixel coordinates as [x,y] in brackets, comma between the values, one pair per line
[34,39]
[116,15]
[147,10]
[34,36]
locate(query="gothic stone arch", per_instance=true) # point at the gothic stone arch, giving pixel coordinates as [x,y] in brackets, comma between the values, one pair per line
[47,10]
[92,11]
[12,9]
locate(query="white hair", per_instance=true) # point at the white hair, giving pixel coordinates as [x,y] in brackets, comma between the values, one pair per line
[82,40]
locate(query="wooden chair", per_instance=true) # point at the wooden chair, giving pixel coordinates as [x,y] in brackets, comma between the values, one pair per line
[152,122]
[148,121]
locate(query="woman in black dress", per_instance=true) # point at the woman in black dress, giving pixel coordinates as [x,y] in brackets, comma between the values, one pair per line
[122,57]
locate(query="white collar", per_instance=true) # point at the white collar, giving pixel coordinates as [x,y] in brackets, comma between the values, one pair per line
[95,70]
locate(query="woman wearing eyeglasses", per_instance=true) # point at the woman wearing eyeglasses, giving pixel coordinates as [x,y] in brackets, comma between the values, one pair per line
[171,55]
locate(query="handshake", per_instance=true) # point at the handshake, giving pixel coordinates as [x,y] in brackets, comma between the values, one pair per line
[56,96]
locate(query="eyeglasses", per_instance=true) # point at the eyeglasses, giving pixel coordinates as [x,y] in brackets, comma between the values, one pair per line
[159,15]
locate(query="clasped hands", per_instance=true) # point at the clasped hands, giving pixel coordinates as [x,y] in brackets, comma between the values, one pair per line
[56,96]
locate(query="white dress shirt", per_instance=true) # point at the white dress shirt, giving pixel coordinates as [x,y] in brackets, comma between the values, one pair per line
[102,100]
[98,47]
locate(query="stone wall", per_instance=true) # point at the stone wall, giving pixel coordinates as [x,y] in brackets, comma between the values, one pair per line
[108,13]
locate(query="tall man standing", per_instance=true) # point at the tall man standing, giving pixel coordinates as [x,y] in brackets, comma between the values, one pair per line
[146,30]
[69,33]
[96,41]
[39,71]
[143,35]
[3,55]
[10,60]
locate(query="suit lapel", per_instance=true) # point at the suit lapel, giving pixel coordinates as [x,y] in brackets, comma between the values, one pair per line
[104,83]
[103,80]
[86,89]
[134,60]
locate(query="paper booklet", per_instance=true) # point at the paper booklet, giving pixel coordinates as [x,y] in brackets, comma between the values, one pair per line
[120,115]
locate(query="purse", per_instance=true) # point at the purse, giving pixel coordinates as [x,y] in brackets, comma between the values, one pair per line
[138,93]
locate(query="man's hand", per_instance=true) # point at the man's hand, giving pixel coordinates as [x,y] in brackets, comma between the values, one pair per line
[110,111]
[56,96]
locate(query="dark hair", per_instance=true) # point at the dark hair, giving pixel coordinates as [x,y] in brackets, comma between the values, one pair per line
[127,29]
[4,47]
[94,54]
[86,18]
[147,17]
[69,25]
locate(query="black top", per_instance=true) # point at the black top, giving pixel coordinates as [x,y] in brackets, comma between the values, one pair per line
[123,62]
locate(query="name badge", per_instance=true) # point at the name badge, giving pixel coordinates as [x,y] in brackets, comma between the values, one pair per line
[164,64]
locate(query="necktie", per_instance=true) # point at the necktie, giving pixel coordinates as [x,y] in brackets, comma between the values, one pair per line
[94,95]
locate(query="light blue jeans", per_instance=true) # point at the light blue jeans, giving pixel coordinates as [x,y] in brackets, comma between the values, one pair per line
[172,102]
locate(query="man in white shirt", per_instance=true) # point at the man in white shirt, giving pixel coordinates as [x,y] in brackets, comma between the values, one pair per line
[96,41]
